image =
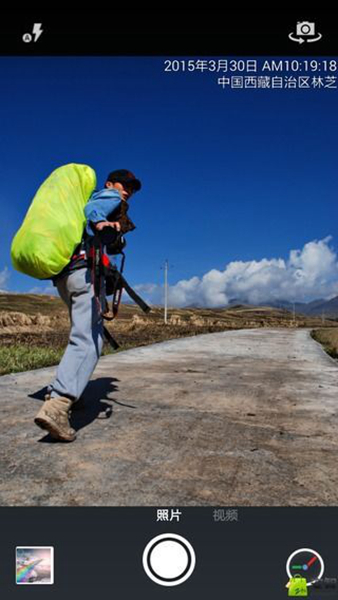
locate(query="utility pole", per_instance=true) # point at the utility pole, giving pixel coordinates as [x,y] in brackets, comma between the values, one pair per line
[166,269]
[166,292]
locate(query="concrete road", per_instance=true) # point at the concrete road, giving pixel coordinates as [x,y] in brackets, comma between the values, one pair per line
[243,417]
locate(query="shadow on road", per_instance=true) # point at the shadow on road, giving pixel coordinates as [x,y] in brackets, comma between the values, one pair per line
[91,406]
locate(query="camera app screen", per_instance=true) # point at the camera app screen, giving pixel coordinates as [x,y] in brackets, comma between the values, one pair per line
[169,319]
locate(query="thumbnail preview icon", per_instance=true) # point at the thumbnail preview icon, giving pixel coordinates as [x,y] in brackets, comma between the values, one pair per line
[34,565]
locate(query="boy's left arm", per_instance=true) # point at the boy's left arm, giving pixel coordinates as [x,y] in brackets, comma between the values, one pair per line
[98,210]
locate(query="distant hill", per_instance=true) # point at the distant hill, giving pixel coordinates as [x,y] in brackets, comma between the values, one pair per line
[44,304]
[321,307]
[316,308]
[327,307]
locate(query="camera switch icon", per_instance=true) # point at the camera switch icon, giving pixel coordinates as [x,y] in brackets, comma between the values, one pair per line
[305,32]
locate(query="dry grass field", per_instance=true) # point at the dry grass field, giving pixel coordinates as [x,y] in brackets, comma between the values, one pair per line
[328,337]
[34,328]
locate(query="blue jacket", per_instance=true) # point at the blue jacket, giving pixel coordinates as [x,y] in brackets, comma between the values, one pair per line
[100,206]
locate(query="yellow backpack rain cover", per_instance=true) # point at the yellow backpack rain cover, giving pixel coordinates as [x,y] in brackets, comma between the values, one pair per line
[54,223]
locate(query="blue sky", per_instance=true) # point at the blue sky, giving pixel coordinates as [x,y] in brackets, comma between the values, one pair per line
[233,180]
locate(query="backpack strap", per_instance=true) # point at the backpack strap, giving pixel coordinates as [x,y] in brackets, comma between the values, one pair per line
[116,283]
[110,339]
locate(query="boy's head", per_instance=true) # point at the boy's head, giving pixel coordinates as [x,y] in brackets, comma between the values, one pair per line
[124,181]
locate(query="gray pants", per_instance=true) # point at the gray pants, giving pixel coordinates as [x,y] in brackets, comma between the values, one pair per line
[86,334]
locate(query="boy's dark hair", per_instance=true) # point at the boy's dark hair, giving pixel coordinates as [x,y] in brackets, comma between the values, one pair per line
[124,176]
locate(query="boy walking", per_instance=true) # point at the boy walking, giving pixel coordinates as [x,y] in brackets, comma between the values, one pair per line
[76,288]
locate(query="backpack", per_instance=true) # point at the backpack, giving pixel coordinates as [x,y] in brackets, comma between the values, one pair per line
[54,223]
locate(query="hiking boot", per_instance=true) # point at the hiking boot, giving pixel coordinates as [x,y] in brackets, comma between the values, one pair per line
[53,416]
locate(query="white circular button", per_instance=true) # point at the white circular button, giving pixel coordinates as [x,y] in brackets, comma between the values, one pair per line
[169,559]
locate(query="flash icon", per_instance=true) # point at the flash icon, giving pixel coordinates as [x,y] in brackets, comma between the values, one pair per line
[36,32]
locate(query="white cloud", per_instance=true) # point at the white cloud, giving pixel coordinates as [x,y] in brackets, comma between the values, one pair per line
[307,274]
[4,277]
[50,290]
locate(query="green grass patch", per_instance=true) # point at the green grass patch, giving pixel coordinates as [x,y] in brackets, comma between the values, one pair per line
[16,358]
[21,357]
